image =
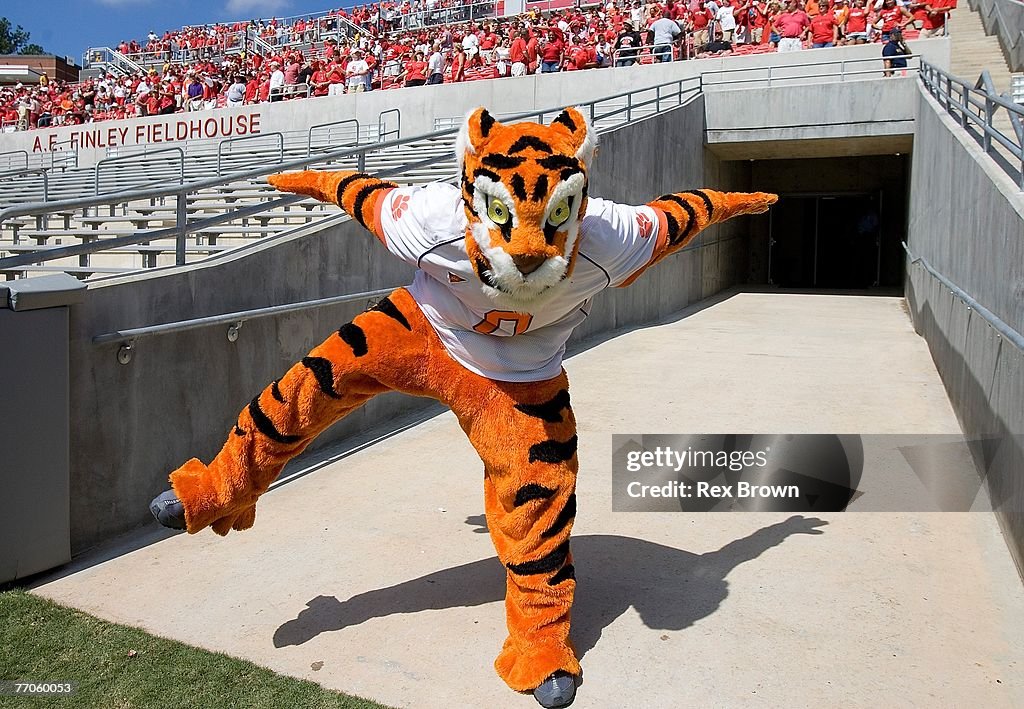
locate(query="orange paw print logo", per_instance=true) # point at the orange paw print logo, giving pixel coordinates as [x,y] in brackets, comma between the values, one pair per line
[646,225]
[399,206]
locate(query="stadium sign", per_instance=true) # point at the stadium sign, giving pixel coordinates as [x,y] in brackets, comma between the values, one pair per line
[115,134]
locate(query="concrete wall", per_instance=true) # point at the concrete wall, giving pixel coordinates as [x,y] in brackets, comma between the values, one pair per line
[967,220]
[866,109]
[419,106]
[181,392]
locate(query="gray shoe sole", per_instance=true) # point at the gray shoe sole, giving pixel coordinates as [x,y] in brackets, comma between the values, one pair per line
[558,690]
[168,510]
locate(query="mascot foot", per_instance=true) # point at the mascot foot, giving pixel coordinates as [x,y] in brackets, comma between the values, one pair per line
[168,510]
[558,690]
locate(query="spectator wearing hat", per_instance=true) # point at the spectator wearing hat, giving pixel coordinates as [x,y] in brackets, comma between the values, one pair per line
[276,82]
[894,52]
[627,45]
[356,71]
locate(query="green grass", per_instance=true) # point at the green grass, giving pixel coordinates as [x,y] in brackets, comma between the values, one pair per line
[117,667]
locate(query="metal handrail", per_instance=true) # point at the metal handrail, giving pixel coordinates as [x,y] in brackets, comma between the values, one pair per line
[772,71]
[235,320]
[958,97]
[332,124]
[134,156]
[31,171]
[382,132]
[255,136]
[997,323]
[16,152]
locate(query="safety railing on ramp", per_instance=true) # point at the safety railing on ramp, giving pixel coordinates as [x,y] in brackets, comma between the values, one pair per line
[978,108]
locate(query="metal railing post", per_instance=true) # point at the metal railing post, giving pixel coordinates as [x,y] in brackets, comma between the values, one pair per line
[989,111]
[181,223]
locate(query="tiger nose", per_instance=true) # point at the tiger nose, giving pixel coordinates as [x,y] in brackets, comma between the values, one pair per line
[528,264]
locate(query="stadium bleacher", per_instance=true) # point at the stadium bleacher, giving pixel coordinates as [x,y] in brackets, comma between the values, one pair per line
[152,75]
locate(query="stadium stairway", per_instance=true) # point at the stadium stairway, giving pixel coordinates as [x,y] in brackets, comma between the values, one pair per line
[973,51]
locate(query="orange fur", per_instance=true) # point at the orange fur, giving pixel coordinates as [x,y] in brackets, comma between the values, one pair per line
[335,379]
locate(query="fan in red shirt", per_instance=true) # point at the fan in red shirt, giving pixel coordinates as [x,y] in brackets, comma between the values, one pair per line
[935,17]
[416,71]
[823,30]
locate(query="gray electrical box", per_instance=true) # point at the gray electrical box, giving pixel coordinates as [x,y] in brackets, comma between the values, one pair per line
[35,424]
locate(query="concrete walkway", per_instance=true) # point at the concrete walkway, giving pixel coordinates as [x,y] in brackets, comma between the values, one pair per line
[377,565]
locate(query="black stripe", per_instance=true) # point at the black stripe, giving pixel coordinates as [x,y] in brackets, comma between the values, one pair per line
[363,195]
[691,220]
[484,172]
[564,517]
[551,410]
[486,123]
[549,232]
[529,141]
[265,426]
[672,224]
[519,186]
[324,373]
[384,305]
[598,265]
[502,162]
[545,564]
[568,172]
[354,337]
[467,185]
[566,120]
[552,451]
[704,198]
[677,235]
[437,246]
[275,391]
[540,189]
[238,430]
[343,185]
[532,491]
[558,162]
[564,574]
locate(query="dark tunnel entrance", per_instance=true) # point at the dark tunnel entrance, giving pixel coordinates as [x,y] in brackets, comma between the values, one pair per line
[838,223]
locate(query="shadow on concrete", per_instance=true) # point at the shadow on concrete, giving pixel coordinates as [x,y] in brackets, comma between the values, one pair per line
[990,414]
[670,588]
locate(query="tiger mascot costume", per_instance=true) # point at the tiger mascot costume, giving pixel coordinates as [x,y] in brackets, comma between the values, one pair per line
[507,266]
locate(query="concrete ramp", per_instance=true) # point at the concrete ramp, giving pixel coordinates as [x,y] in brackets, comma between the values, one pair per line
[376,564]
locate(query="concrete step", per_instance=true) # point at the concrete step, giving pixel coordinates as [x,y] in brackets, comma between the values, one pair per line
[974,51]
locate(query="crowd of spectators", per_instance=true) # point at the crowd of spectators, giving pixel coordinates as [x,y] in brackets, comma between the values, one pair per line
[390,45]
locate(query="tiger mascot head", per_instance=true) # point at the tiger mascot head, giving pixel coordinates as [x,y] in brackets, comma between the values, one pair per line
[524,189]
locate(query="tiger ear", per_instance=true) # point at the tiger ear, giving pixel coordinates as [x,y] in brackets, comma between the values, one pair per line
[473,134]
[582,136]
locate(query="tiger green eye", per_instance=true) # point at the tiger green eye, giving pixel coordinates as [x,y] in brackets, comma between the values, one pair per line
[497,212]
[560,214]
